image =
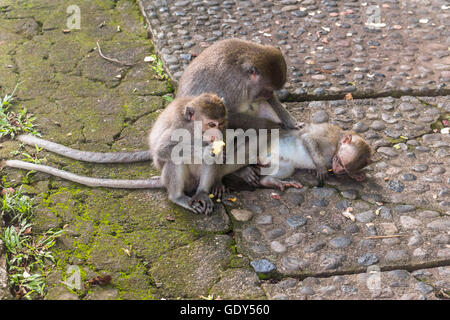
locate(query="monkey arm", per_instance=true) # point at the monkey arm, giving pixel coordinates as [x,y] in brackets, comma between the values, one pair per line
[286,119]
[246,121]
[313,148]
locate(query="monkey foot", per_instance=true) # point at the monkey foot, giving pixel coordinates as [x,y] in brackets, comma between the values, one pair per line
[270,182]
[218,190]
[250,175]
[201,203]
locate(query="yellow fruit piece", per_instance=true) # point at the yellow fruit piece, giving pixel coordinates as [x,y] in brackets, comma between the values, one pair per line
[217,146]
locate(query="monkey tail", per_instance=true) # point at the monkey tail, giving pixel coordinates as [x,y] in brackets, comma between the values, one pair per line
[87,156]
[152,183]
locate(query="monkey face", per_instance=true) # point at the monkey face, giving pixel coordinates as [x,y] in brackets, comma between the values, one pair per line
[213,129]
[349,159]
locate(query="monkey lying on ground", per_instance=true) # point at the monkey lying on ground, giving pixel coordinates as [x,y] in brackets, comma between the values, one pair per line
[245,74]
[321,147]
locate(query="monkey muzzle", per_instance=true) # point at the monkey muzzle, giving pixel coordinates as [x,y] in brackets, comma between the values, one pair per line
[339,168]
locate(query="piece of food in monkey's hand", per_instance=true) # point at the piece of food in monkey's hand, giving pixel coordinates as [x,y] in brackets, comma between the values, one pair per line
[217,147]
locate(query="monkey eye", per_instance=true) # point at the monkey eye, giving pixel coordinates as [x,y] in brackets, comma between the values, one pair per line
[253,70]
[212,124]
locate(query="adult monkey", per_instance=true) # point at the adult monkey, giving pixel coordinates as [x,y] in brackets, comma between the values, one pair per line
[245,74]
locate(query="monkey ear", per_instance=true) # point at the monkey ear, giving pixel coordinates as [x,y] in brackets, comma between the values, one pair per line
[189,113]
[347,138]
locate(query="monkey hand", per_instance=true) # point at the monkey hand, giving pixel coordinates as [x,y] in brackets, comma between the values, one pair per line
[201,203]
[218,190]
[295,126]
[321,174]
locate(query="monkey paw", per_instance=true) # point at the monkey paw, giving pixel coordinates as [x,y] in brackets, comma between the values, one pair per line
[250,175]
[321,174]
[201,203]
[218,190]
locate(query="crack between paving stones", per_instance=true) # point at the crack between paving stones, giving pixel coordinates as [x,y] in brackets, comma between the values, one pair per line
[408,267]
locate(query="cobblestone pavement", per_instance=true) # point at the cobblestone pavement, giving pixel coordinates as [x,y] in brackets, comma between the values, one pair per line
[396,243]
[369,48]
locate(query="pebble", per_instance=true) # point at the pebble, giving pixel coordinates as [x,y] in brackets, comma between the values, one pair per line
[314,247]
[395,185]
[331,260]
[242,214]
[419,253]
[439,225]
[294,239]
[404,208]
[306,291]
[396,256]
[420,168]
[365,217]
[389,228]
[340,242]
[293,263]
[295,221]
[262,266]
[423,287]
[275,233]
[408,222]
[264,219]
[278,247]
[391,152]
[319,117]
[350,194]
[368,259]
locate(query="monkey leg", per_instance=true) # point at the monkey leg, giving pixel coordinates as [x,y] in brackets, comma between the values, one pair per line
[271,182]
[175,178]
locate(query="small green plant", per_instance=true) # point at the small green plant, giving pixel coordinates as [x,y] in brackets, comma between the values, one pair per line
[12,123]
[27,255]
[16,206]
[158,67]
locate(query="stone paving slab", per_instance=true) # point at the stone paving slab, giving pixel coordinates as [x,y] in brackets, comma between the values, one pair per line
[368,48]
[401,213]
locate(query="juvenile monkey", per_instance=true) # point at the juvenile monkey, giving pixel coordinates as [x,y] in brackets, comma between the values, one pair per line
[316,146]
[178,179]
[185,179]
[245,74]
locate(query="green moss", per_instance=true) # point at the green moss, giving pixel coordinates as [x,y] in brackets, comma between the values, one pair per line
[438,125]
[397,140]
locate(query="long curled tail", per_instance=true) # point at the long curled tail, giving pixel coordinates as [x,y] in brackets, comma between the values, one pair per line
[87,156]
[152,183]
